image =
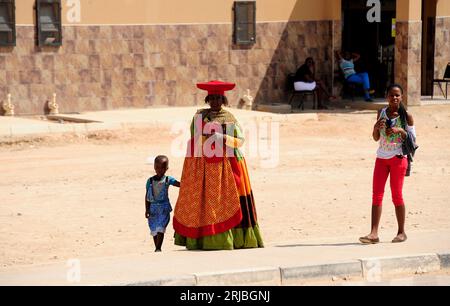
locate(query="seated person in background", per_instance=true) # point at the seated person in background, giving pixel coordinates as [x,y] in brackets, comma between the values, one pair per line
[305,80]
[346,63]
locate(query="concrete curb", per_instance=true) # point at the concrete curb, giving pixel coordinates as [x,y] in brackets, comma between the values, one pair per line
[258,276]
[291,275]
[374,268]
[371,269]
[444,259]
[187,280]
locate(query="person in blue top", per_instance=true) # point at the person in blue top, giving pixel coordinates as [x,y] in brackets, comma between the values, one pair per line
[157,204]
[346,63]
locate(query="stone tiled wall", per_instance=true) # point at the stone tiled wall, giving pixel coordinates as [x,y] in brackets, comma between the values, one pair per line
[108,67]
[337,45]
[286,48]
[442,46]
[408,60]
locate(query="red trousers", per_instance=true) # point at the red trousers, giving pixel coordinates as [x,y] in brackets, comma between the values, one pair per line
[395,168]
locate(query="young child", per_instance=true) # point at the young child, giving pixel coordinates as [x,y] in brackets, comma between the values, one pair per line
[157,204]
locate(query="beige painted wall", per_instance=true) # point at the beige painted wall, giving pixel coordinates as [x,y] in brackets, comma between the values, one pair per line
[24,11]
[186,11]
[443,8]
[409,10]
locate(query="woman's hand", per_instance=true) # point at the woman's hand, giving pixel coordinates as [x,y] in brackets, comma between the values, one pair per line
[393,130]
[380,124]
[217,136]
[396,130]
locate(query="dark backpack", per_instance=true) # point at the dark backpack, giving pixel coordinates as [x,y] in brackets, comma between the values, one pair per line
[409,146]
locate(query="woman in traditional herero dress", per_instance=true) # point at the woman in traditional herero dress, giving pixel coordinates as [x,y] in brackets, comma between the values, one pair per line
[215,208]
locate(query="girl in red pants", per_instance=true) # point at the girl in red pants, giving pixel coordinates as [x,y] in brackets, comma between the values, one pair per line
[390,130]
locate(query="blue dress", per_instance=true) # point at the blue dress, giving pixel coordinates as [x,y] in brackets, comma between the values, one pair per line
[160,207]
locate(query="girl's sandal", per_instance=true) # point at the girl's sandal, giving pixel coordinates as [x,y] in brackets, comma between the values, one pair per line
[367,240]
[399,239]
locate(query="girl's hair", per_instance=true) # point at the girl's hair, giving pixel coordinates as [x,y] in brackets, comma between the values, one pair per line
[388,89]
[223,98]
[401,109]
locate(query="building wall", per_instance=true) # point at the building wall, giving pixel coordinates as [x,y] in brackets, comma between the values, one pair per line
[409,10]
[443,8]
[156,56]
[408,59]
[408,50]
[113,12]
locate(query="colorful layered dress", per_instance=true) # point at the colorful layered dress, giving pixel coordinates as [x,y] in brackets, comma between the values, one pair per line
[215,207]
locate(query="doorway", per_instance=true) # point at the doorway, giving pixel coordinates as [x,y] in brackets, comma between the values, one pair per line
[374,41]
[428,44]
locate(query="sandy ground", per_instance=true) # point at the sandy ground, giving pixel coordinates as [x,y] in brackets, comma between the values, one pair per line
[76,196]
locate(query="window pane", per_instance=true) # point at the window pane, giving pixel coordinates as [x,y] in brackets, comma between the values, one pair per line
[249,10]
[242,32]
[4,16]
[245,22]
[50,37]
[46,14]
[49,25]
[242,13]
[5,28]
[6,37]
[7,24]
[251,31]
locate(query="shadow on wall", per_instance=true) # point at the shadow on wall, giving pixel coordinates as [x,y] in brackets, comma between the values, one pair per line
[297,40]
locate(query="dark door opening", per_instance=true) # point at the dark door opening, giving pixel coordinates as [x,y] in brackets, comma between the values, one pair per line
[374,41]
[428,44]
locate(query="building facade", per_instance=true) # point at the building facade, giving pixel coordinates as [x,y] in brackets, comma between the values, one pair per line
[142,53]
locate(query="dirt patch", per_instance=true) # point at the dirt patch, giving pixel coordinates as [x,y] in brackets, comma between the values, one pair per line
[107,137]
[78,196]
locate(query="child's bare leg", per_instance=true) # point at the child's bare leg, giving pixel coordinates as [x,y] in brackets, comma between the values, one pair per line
[160,239]
[155,241]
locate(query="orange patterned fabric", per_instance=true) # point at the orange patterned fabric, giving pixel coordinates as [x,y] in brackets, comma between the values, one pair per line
[241,176]
[208,196]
